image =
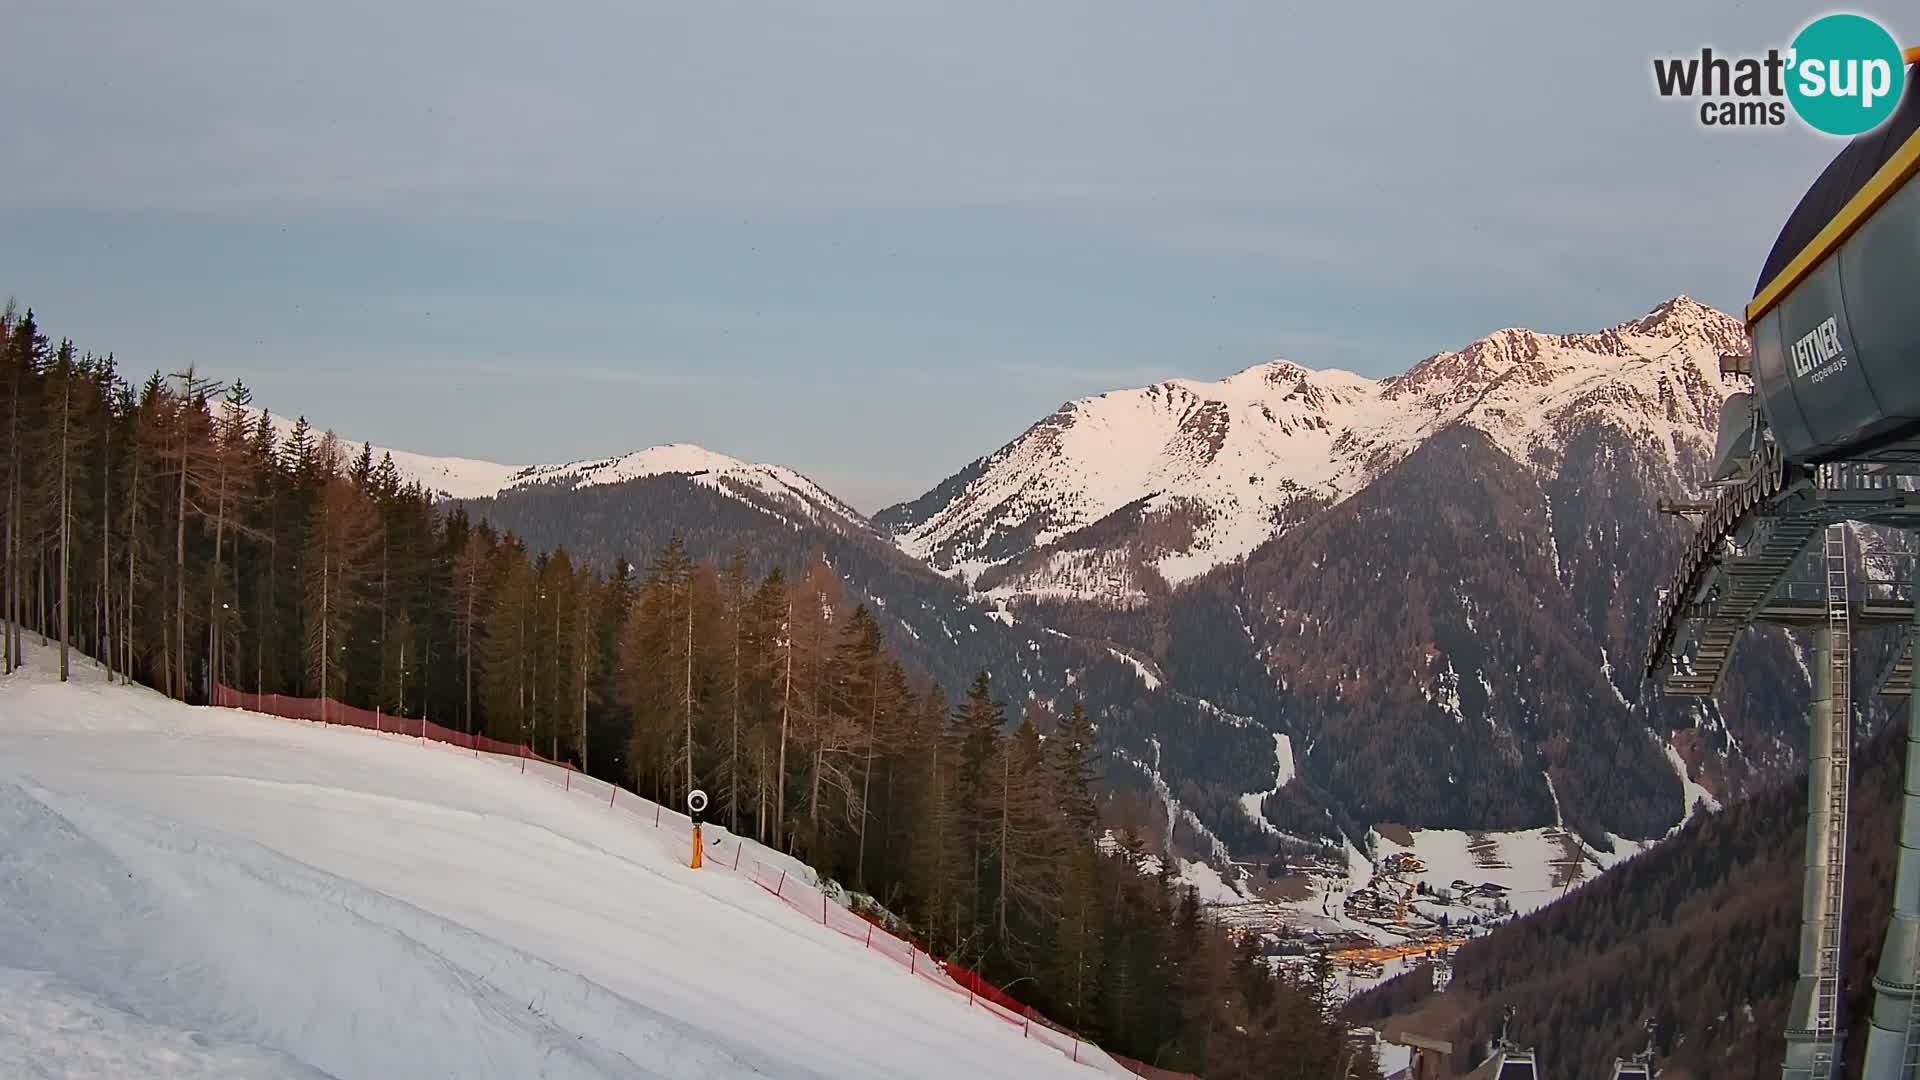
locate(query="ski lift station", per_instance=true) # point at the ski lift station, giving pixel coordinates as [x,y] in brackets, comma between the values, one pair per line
[1828,435]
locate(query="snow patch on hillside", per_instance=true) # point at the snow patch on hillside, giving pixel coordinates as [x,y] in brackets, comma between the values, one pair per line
[1177,813]
[1207,883]
[1283,773]
[1696,794]
[1151,680]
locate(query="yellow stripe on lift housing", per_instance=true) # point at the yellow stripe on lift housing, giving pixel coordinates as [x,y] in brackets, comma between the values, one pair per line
[1874,194]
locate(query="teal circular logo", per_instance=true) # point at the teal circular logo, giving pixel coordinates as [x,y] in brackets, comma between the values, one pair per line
[1845,75]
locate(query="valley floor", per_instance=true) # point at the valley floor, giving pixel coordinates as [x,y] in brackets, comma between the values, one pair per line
[194,892]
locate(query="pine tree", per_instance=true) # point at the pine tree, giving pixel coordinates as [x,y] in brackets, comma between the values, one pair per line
[738,682]
[977,726]
[872,697]
[585,602]
[27,351]
[657,659]
[558,610]
[780,832]
[340,539]
[472,582]
[63,376]
[12,382]
[505,651]
[1073,977]
[232,496]
[191,459]
[828,732]
[939,867]
[117,407]
[768,668]
[610,723]
[1025,846]
[1074,775]
[400,652]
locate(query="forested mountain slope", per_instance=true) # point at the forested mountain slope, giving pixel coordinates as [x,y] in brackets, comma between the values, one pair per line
[1700,933]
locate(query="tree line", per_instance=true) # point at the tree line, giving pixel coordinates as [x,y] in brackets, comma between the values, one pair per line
[183,538]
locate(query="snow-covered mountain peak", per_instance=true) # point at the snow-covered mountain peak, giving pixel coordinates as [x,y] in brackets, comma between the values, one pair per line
[1687,320]
[672,458]
[773,488]
[1281,373]
[1183,475]
[715,470]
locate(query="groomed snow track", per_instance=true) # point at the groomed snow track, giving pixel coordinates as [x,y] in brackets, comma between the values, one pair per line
[215,893]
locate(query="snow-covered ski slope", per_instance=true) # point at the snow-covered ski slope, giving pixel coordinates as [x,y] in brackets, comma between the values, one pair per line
[194,892]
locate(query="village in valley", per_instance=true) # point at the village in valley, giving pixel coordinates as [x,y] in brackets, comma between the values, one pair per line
[1355,918]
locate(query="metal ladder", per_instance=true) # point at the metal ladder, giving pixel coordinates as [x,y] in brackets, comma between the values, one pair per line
[1910,1051]
[1840,689]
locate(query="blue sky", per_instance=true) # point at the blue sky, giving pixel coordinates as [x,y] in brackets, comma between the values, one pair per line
[870,239]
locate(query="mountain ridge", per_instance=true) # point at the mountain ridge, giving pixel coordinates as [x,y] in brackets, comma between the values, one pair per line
[461,478]
[1440,386]
[1209,470]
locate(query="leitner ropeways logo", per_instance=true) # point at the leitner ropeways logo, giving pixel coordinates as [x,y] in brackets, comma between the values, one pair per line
[1819,352]
[1843,75]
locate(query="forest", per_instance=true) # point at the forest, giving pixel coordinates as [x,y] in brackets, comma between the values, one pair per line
[165,528]
[1699,935]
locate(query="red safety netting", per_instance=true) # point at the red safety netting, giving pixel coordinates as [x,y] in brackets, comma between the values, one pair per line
[1061,1041]
[723,851]
[894,949]
[983,989]
[853,925]
[328,711]
[769,878]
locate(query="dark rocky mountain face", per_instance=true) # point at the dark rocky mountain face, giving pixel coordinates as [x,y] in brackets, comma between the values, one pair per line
[1434,658]
[1441,647]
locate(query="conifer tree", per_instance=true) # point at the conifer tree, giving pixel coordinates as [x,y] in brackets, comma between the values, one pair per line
[609,721]
[190,458]
[1025,846]
[340,539]
[977,726]
[508,626]
[63,375]
[27,352]
[738,683]
[231,497]
[472,579]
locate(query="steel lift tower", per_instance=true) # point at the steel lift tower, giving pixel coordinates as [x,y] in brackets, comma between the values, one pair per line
[1829,434]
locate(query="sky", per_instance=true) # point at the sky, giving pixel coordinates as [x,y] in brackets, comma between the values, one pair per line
[868,239]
